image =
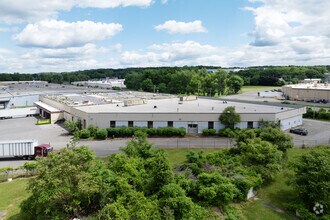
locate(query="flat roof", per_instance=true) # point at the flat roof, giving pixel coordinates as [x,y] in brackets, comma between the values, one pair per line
[309,86]
[47,107]
[172,105]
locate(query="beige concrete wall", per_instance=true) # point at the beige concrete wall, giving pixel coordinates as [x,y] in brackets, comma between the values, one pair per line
[305,94]
[55,117]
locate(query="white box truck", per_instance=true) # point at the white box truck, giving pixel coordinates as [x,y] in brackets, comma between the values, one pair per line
[26,149]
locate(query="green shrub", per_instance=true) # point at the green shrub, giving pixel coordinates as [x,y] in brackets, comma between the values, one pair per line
[84,134]
[209,132]
[101,134]
[227,132]
[129,131]
[151,131]
[92,129]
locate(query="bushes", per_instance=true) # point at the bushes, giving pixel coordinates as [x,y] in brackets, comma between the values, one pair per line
[85,133]
[93,132]
[101,134]
[320,114]
[227,132]
[209,132]
[129,131]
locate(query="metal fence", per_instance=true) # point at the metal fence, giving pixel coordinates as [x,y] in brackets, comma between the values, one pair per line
[195,143]
[311,143]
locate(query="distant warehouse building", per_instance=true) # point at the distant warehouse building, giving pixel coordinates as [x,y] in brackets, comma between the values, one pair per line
[160,110]
[311,92]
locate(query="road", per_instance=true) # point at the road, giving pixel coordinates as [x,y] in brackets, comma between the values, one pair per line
[25,128]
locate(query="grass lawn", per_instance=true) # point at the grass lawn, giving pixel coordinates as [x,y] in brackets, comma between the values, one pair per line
[255,210]
[12,194]
[177,156]
[258,88]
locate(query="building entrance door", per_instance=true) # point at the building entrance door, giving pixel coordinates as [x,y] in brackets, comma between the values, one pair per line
[192,128]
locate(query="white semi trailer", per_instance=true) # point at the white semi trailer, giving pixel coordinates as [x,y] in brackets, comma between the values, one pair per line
[18,112]
[26,149]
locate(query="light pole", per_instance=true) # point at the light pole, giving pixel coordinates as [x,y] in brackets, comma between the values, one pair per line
[198,88]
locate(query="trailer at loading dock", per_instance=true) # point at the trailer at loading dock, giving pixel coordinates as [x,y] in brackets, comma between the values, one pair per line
[26,149]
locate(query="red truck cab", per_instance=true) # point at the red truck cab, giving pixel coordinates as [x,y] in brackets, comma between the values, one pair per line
[42,150]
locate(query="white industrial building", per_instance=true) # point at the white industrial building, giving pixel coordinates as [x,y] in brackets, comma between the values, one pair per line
[161,110]
[104,83]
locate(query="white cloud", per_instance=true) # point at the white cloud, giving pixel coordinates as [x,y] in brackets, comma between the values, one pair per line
[169,54]
[164,1]
[57,34]
[35,10]
[279,21]
[174,27]
[88,56]
[113,3]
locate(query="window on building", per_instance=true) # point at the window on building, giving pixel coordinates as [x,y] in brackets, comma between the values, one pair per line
[170,124]
[250,124]
[112,124]
[130,124]
[150,124]
[211,125]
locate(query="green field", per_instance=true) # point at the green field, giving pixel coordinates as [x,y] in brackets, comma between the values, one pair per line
[258,88]
[177,156]
[12,194]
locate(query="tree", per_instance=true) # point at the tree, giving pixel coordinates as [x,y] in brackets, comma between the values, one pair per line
[311,178]
[176,205]
[222,81]
[261,157]
[229,117]
[277,137]
[147,85]
[66,184]
[215,189]
[235,83]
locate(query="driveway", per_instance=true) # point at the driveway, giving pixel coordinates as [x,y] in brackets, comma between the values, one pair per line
[318,133]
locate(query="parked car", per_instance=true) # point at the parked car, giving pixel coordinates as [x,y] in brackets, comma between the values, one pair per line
[301,131]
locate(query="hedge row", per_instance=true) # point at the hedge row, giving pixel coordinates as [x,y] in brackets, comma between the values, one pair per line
[320,114]
[91,131]
[129,131]
[226,132]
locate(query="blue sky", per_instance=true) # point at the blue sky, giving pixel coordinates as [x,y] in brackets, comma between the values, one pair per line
[68,35]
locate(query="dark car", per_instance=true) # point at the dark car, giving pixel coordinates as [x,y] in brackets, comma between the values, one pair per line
[301,131]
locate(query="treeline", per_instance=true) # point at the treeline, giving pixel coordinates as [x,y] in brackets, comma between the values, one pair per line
[277,76]
[185,81]
[182,79]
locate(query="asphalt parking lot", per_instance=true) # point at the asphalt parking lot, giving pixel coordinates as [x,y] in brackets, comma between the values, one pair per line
[318,133]
[26,129]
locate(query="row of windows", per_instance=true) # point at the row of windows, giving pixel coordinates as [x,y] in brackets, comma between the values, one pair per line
[131,124]
[151,124]
[170,124]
